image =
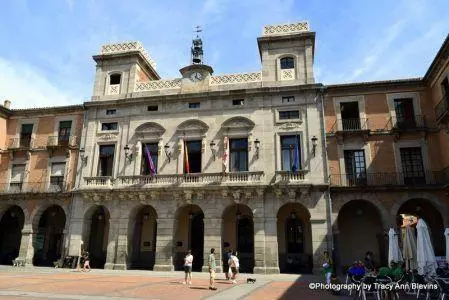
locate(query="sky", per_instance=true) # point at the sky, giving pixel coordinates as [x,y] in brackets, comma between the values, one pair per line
[46,46]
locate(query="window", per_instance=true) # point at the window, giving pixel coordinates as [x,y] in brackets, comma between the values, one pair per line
[149,161]
[17,174]
[291,153]
[25,135]
[64,132]
[153,108]
[405,115]
[57,176]
[238,102]
[289,114]
[111,112]
[445,86]
[192,157]
[238,155]
[288,99]
[287,63]
[350,116]
[194,105]
[106,160]
[109,126]
[355,167]
[412,166]
[115,79]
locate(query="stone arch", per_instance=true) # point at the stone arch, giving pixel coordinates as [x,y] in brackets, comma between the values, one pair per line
[49,225]
[339,202]
[142,232]
[12,221]
[189,234]
[36,214]
[354,240]
[150,129]
[238,234]
[294,232]
[96,233]
[432,199]
[193,125]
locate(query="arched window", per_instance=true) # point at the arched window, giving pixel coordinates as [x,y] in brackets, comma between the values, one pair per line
[115,79]
[287,63]
[295,235]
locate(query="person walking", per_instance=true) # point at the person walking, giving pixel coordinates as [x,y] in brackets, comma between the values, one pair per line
[234,265]
[212,266]
[86,261]
[188,261]
[327,266]
[228,272]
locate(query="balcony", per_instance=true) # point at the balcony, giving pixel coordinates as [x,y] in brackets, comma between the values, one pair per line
[161,180]
[427,178]
[414,123]
[350,127]
[51,186]
[442,109]
[288,177]
[61,141]
[23,143]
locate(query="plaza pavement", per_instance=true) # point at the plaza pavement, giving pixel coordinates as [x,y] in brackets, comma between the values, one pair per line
[49,283]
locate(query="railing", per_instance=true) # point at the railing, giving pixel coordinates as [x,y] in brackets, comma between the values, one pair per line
[389,179]
[157,85]
[113,89]
[51,186]
[285,28]
[61,141]
[288,74]
[236,78]
[350,125]
[288,176]
[193,178]
[98,181]
[442,107]
[20,143]
[409,123]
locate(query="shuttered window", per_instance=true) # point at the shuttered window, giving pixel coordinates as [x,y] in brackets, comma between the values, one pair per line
[17,173]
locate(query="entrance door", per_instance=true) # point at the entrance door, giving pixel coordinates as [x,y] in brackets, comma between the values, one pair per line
[197,241]
[245,244]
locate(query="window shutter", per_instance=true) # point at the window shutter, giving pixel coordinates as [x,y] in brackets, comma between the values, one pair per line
[57,169]
[17,173]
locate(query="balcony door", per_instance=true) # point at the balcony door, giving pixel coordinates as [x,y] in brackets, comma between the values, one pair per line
[239,155]
[57,176]
[405,114]
[64,132]
[192,157]
[350,116]
[412,166]
[106,160]
[355,167]
[25,135]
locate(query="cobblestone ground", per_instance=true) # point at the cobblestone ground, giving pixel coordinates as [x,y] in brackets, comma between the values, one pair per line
[47,283]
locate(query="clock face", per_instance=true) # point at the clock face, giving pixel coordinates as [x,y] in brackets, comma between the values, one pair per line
[196,76]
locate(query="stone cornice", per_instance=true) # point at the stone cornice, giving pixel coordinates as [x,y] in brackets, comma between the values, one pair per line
[41,111]
[438,62]
[361,87]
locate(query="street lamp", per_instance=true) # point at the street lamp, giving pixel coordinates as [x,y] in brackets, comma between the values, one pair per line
[257,145]
[128,153]
[314,144]
[167,151]
[212,148]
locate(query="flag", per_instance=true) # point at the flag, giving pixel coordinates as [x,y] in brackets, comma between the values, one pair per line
[224,158]
[149,160]
[295,163]
[186,159]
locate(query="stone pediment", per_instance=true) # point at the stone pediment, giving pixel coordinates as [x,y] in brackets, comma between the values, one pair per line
[238,123]
[150,128]
[191,126]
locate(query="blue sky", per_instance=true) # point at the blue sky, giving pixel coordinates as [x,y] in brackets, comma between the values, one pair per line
[46,46]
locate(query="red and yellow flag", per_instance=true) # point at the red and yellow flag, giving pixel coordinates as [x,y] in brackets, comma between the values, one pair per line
[186,159]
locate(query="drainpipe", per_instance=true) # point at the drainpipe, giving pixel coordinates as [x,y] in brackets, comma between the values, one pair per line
[322,90]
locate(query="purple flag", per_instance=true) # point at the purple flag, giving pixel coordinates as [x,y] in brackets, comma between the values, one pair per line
[149,160]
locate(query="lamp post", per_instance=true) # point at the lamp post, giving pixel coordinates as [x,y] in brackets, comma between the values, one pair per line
[314,144]
[257,145]
[212,148]
[83,157]
[128,153]
[167,151]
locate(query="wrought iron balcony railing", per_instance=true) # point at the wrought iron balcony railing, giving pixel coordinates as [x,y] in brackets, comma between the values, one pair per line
[350,125]
[55,185]
[389,179]
[413,123]
[62,141]
[442,108]
[20,143]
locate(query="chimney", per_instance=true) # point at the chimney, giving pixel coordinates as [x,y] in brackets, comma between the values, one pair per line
[7,104]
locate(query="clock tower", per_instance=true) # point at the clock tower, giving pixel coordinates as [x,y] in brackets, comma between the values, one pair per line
[195,77]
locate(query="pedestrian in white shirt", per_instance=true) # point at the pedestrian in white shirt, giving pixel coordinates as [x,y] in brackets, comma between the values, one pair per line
[188,261]
[234,265]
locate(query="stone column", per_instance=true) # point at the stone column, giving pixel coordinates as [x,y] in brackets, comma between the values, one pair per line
[121,259]
[271,246]
[164,245]
[75,236]
[259,246]
[111,250]
[26,252]
[212,239]
[319,243]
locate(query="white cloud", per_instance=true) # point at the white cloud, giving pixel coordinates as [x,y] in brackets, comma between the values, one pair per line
[27,87]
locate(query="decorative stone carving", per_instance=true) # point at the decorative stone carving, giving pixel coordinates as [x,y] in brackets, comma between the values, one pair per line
[290,126]
[238,123]
[279,193]
[291,195]
[236,196]
[107,136]
[248,194]
[188,196]
[199,195]
[285,28]
[150,129]
[157,85]
[225,194]
[127,47]
[236,78]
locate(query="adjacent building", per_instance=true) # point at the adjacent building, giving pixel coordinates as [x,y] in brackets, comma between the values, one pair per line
[39,154]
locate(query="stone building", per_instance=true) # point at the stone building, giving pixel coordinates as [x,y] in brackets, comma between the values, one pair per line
[387,147]
[233,161]
[38,159]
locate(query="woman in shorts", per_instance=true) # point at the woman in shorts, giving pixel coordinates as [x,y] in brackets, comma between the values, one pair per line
[188,261]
